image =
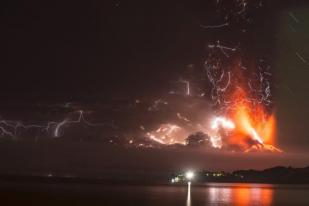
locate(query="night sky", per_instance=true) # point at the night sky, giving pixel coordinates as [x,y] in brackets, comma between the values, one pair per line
[105,56]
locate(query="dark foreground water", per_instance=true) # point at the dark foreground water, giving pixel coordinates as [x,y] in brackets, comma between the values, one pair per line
[186,195]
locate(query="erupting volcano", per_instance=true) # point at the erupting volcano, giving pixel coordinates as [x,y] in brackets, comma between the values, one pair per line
[249,126]
[244,120]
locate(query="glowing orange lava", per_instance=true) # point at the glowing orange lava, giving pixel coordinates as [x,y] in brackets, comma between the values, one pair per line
[255,128]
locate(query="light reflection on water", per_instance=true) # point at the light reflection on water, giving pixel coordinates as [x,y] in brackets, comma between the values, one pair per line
[189,195]
[245,194]
[232,194]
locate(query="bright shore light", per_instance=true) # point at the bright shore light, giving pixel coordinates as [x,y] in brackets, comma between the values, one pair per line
[189,175]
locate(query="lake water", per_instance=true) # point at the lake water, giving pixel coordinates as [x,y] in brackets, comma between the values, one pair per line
[185,195]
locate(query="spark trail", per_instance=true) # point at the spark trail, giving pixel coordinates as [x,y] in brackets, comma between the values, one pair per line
[215,26]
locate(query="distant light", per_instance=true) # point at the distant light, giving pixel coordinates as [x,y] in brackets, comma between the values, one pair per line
[176,179]
[189,175]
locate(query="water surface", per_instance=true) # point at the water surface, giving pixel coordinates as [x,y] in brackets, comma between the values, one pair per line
[220,194]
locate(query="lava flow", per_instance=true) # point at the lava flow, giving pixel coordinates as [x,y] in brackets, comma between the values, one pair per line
[254,129]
